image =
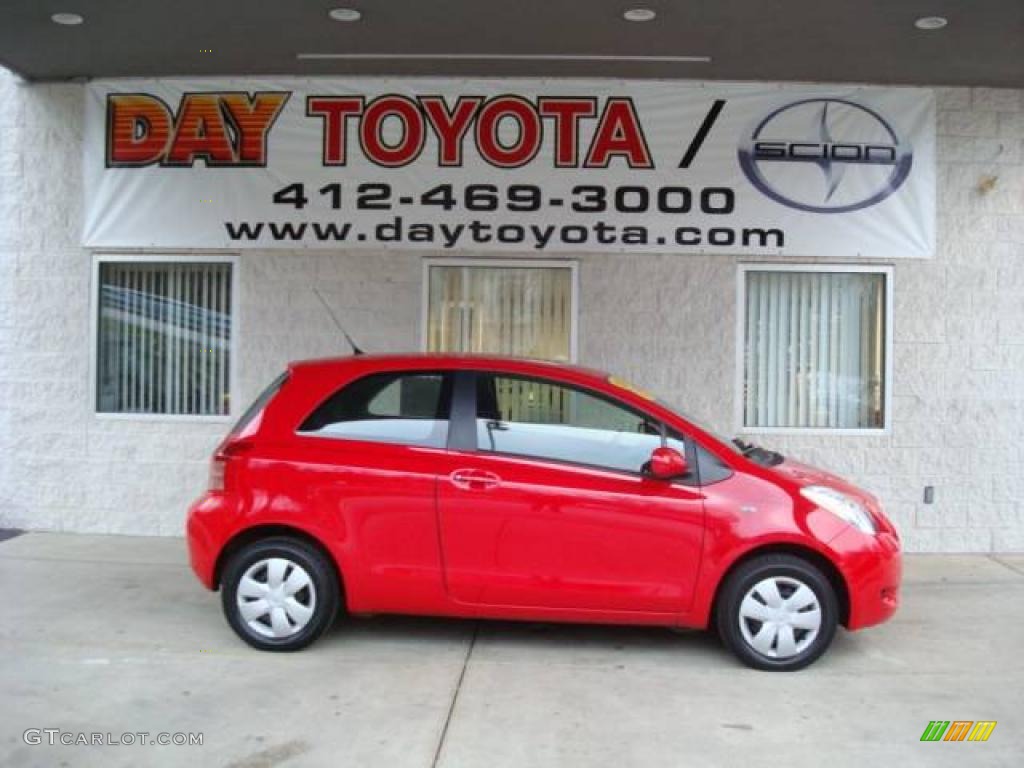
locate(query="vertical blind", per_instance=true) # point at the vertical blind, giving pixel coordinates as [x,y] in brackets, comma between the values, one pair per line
[515,311]
[164,338]
[814,352]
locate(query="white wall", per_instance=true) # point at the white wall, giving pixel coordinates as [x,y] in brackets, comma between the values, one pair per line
[667,322]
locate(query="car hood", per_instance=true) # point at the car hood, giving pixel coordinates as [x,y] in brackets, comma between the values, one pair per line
[804,475]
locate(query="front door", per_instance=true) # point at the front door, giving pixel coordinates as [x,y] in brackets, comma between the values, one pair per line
[548,507]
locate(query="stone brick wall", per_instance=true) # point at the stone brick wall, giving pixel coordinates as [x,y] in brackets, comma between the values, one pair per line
[667,322]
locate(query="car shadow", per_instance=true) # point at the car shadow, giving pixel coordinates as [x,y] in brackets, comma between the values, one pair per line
[562,642]
[524,635]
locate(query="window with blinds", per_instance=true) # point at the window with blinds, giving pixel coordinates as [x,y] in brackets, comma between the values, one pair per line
[164,338]
[814,349]
[519,311]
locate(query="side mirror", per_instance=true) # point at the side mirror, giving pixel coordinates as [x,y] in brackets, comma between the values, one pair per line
[666,464]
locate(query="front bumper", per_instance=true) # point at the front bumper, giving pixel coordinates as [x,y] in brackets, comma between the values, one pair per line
[872,567]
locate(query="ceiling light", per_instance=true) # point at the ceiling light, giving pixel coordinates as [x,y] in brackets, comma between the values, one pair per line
[67,19]
[931,22]
[639,14]
[345,14]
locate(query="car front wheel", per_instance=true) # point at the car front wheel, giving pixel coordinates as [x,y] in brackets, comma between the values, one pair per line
[777,612]
[279,594]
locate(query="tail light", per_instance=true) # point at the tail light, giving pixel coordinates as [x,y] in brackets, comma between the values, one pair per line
[239,438]
[217,470]
[222,459]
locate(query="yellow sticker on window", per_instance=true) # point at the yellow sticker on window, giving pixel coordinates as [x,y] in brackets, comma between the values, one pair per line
[615,381]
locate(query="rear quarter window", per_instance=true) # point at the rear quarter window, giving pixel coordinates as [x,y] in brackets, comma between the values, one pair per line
[406,408]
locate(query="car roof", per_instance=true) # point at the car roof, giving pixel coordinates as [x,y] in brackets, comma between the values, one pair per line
[450,361]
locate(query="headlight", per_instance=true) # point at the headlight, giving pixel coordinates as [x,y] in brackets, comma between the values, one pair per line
[840,505]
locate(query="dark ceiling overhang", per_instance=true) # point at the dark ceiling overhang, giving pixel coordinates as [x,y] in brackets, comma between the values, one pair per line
[871,41]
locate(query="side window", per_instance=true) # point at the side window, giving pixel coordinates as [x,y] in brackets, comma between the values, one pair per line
[410,408]
[548,420]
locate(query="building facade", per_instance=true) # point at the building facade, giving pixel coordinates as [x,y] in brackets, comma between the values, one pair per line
[951,329]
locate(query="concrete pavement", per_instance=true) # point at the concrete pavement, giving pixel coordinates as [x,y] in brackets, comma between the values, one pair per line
[113,635]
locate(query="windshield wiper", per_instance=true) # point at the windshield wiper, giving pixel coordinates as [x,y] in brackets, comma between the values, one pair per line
[745,448]
[759,454]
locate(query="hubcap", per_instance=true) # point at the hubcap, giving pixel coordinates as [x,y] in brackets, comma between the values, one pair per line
[276,597]
[779,617]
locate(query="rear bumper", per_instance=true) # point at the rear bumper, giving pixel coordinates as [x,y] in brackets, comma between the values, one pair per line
[873,568]
[203,537]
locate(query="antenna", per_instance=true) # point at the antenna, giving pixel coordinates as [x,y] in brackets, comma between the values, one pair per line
[355,349]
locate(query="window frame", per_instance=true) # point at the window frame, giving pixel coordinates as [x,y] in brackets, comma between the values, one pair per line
[887,271]
[152,257]
[574,288]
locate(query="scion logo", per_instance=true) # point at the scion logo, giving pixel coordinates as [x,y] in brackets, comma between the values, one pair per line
[825,156]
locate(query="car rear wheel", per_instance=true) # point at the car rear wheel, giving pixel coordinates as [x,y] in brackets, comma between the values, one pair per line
[279,594]
[777,612]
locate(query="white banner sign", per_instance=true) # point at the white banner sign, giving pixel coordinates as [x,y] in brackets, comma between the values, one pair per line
[511,165]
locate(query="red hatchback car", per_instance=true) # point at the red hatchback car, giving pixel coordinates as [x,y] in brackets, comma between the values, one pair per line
[511,489]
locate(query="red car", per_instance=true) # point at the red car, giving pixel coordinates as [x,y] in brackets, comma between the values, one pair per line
[511,489]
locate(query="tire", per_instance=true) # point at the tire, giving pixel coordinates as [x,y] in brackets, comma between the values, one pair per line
[777,613]
[279,594]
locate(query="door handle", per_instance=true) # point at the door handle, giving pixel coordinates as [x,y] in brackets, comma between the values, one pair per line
[473,479]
